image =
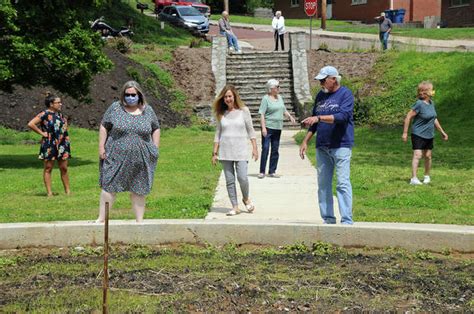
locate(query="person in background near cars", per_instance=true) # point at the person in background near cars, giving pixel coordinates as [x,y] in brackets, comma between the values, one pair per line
[226,30]
[278,24]
[423,114]
[55,143]
[333,122]
[272,110]
[234,128]
[129,141]
[385,27]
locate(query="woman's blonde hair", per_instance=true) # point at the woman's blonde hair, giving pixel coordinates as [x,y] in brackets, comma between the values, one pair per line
[425,89]
[219,106]
[138,88]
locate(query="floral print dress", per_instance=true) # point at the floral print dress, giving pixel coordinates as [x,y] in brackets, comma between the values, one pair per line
[56,146]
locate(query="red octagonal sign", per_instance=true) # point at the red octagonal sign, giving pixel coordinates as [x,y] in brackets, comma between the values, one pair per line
[310,7]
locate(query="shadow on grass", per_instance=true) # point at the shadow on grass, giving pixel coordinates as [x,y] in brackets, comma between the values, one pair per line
[32,161]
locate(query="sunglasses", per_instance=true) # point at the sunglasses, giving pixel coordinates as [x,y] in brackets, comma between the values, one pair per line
[130,95]
[322,81]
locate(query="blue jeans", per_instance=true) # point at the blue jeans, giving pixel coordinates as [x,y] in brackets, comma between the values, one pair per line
[231,40]
[384,39]
[327,160]
[273,139]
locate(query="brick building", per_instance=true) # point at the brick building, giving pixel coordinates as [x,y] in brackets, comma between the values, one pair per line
[457,13]
[366,10]
[294,9]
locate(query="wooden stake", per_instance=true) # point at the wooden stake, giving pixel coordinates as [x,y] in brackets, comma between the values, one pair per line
[105,284]
[323,14]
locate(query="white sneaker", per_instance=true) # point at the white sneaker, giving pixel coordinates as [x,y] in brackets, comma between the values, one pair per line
[231,48]
[238,51]
[426,180]
[415,181]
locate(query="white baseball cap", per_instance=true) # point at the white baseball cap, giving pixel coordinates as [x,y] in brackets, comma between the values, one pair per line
[325,72]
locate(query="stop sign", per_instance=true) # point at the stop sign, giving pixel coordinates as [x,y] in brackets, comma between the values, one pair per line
[310,7]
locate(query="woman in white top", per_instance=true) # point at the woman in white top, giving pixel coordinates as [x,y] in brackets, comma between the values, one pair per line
[234,128]
[278,24]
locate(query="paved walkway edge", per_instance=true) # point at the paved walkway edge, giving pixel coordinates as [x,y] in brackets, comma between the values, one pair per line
[443,45]
[412,237]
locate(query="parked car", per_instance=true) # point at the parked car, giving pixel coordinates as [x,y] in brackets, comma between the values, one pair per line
[203,8]
[185,15]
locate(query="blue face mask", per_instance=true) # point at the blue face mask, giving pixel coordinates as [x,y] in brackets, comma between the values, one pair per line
[131,100]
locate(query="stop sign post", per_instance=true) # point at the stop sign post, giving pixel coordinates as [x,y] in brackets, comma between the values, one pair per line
[310,8]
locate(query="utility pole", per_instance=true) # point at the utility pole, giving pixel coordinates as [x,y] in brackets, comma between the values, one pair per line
[323,14]
[226,5]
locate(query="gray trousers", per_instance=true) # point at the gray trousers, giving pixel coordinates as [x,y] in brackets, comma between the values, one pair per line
[230,168]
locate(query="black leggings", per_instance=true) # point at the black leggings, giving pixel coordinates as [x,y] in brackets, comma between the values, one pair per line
[282,40]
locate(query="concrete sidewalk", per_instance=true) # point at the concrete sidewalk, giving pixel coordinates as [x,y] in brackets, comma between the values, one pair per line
[291,198]
[441,45]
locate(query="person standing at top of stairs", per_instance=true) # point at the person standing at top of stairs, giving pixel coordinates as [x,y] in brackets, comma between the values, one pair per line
[278,24]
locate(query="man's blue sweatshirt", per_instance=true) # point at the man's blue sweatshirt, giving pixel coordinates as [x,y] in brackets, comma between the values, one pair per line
[340,104]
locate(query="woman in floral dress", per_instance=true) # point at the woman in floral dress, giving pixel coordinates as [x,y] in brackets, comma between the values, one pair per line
[129,139]
[55,143]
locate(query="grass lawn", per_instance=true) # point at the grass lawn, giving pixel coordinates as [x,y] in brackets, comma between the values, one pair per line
[380,172]
[183,188]
[381,164]
[343,26]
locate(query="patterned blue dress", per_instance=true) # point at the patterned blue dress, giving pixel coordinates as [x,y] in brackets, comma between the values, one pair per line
[56,146]
[131,155]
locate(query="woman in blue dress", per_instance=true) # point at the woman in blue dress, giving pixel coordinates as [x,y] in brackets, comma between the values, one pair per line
[55,145]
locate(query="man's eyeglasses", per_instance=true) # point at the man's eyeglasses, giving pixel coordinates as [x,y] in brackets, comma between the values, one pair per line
[130,95]
[322,81]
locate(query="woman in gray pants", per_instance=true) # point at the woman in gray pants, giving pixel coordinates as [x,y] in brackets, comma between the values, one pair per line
[234,128]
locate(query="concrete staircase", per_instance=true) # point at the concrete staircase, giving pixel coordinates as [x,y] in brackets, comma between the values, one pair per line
[250,71]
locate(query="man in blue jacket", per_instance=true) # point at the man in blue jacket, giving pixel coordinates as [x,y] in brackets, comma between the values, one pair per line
[333,123]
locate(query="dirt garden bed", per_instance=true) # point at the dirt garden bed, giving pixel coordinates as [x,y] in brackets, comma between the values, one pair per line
[23,104]
[189,278]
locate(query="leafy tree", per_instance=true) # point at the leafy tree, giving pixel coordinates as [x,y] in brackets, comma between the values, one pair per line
[49,42]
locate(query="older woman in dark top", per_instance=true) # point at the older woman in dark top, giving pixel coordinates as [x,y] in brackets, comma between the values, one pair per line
[129,139]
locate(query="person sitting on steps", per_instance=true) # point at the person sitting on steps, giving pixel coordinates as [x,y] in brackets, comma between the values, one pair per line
[226,30]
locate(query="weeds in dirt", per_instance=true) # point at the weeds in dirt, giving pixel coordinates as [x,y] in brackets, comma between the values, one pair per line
[122,44]
[298,277]
[423,255]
